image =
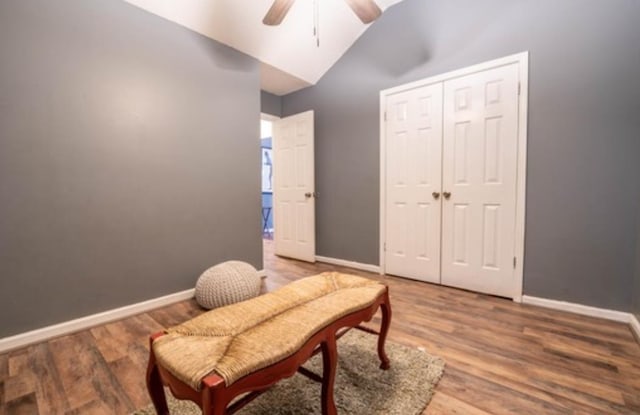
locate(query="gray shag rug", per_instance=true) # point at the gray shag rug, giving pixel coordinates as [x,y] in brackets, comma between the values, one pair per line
[360,388]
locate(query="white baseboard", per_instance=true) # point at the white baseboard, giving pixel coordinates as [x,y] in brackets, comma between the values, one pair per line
[635,327]
[349,264]
[578,309]
[68,327]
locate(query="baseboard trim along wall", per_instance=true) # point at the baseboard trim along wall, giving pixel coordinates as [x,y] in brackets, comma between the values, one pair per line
[584,310]
[349,264]
[635,327]
[83,323]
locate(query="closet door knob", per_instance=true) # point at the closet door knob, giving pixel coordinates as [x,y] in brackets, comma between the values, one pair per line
[436,195]
[446,195]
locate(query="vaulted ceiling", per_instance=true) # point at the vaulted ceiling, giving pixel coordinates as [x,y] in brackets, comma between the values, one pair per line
[290,57]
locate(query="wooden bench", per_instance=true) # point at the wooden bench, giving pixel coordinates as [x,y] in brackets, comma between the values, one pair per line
[247,347]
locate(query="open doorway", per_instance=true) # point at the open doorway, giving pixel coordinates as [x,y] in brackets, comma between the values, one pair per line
[266,149]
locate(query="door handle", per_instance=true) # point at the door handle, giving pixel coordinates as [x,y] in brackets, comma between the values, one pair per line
[436,195]
[446,195]
[309,195]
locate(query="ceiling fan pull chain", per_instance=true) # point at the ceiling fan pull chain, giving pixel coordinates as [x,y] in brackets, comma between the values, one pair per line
[316,21]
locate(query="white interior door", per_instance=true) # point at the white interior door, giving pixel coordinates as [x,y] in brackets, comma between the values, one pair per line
[480,153]
[413,181]
[294,187]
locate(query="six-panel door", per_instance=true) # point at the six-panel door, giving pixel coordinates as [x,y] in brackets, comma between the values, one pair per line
[294,188]
[480,149]
[413,182]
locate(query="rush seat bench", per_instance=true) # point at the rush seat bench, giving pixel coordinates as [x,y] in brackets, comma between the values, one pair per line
[247,347]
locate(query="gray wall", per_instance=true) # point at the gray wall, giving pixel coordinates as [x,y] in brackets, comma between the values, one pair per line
[583,174]
[270,104]
[129,159]
[636,283]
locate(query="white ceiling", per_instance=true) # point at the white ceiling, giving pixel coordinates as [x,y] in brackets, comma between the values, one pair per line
[289,55]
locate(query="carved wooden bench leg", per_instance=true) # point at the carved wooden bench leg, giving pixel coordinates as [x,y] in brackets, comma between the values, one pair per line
[329,363]
[154,385]
[214,397]
[385,307]
[212,405]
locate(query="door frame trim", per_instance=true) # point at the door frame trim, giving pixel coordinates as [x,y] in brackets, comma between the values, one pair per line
[522,59]
[269,117]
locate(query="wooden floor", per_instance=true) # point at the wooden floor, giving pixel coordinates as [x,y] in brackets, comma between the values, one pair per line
[502,357]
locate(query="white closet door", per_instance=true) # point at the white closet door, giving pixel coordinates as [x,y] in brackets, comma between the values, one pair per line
[294,187]
[480,145]
[413,180]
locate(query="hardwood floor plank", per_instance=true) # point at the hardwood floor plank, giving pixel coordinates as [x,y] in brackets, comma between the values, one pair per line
[72,358]
[571,360]
[612,353]
[125,339]
[493,397]
[4,374]
[109,345]
[49,390]
[128,373]
[4,366]
[574,359]
[168,318]
[20,385]
[624,345]
[443,404]
[579,384]
[18,362]
[92,408]
[25,405]
[2,399]
[85,374]
[136,329]
[568,321]
[540,388]
[633,401]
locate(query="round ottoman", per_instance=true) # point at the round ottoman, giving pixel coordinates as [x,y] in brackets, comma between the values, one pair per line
[227,283]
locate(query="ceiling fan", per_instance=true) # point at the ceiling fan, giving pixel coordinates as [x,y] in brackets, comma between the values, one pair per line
[366,10]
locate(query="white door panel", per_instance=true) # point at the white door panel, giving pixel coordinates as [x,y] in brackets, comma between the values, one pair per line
[294,188]
[480,149]
[413,175]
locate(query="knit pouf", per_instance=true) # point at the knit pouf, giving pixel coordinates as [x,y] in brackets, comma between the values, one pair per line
[227,283]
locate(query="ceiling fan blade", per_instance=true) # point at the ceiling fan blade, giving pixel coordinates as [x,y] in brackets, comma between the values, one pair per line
[277,12]
[366,10]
